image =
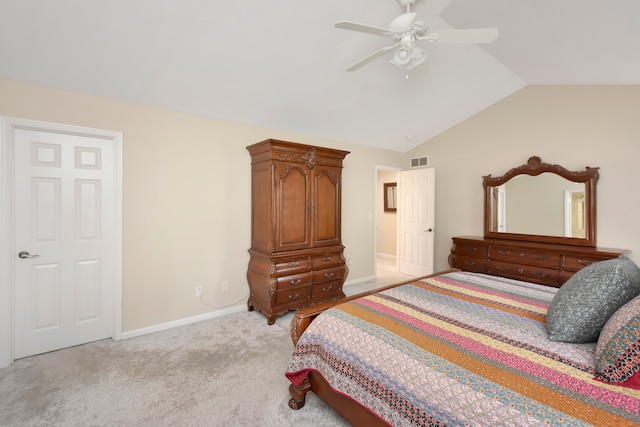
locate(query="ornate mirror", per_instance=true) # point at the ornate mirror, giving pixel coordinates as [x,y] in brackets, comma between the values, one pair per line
[542,202]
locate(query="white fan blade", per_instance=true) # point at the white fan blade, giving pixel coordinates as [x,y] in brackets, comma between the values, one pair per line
[472,35]
[375,55]
[432,9]
[354,26]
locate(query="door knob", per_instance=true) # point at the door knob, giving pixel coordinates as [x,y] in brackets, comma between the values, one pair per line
[429,230]
[26,254]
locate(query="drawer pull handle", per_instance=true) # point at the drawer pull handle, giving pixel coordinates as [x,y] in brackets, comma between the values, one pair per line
[539,274]
[501,268]
[539,257]
[521,271]
[293,264]
[473,249]
[504,252]
[296,281]
[326,259]
[584,262]
[328,275]
[294,296]
[469,263]
[327,288]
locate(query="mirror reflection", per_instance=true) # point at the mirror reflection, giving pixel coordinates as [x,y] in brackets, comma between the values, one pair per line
[547,204]
[390,196]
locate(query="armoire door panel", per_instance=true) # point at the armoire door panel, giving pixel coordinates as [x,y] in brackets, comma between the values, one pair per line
[261,228]
[293,199]
[326,207]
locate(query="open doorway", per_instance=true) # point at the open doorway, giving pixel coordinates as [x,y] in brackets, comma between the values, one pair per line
[386,247]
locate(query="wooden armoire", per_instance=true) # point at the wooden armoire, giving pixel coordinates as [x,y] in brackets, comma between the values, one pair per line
[296,246]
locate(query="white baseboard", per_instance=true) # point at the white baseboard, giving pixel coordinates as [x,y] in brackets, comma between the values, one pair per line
[183,322]
[206,316]
[388,256]
[360,280]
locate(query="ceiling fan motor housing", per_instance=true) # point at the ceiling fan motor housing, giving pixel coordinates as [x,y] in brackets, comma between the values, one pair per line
[403,23]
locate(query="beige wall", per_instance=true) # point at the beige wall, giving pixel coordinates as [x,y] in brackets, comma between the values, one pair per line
[573,126]
[186,201]
[186,207]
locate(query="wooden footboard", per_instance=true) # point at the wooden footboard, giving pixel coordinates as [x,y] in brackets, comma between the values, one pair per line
[354,413]
[303,317]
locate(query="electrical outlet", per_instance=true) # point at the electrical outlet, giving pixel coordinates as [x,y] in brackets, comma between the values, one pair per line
[199,291]
[224,286]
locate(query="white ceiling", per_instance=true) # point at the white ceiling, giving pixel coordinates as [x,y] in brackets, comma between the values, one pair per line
[281,63]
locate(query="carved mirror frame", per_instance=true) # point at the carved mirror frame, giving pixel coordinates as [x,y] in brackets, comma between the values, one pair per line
[534,167]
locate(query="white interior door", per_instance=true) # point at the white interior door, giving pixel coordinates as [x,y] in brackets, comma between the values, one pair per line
[416,209]
[64,214]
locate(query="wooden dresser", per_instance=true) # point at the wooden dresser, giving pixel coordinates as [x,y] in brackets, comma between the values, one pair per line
[549,264]
[296,248]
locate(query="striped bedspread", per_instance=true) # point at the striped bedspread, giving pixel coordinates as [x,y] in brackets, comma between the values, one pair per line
[460,349]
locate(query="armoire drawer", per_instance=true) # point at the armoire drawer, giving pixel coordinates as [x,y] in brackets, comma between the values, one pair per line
[328,274]
[322,290]
[298,297]
[525,272]
[326,260]
[526,256]
[292,265]
[294,281]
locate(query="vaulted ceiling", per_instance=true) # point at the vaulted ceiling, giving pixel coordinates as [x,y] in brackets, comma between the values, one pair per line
[281,63]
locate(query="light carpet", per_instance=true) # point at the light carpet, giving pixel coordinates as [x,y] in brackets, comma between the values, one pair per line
[228,371]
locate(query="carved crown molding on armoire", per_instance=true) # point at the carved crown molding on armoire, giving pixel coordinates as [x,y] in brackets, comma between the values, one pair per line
[296,254]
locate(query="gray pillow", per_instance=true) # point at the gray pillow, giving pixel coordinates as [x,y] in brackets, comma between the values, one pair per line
[582,306]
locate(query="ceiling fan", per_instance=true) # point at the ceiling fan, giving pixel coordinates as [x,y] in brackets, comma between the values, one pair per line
[406,32]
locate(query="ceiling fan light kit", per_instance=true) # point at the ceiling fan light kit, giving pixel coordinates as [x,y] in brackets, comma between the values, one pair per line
[405,32]
[408,57]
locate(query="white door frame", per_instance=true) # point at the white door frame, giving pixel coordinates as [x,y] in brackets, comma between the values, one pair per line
[7,249]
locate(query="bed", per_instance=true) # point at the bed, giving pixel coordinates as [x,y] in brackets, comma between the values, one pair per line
[525,330]
[458,348]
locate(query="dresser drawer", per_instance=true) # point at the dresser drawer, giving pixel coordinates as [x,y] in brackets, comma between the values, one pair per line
[298,297]
[290,266]
[469,249]
[467,263]
[577,262]
[566,275]
[328,274]
[530,273]
[294,281]
[326,260]
[525,256]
